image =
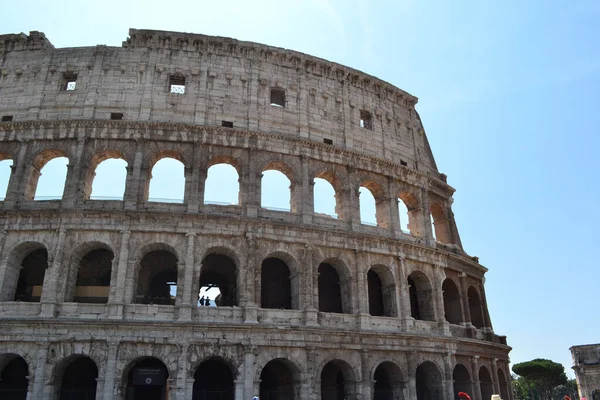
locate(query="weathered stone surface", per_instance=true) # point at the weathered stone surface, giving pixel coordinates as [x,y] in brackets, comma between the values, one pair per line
[586,364]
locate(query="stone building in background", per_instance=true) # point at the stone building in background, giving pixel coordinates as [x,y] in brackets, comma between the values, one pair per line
[586,364]
[99,297]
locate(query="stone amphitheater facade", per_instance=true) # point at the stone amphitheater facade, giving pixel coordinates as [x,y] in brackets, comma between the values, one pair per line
[314,306]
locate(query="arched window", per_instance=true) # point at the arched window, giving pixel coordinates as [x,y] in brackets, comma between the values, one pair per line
[213,379]
[452,308]
[388,382]
[279,379]
[31,276]
[79,380]
[275,191]
[411,215]
[429,382]
[167,181]
[147,379]
[14,374]
[330,290]
[218,281]
[157,278]
[276,291]
[475,307]
[381,291]
[93,277]
[504,388]
[368,214]
[462,381]
[109,180]
[325,198]
[421,297]
[5,172]
[485,383]
[337,381]
[222,185]
[441,231]
[52,178]
[404,219]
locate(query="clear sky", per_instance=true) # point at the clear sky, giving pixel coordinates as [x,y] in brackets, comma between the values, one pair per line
[509,94]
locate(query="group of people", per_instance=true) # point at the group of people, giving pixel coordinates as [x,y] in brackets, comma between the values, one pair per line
[204,301]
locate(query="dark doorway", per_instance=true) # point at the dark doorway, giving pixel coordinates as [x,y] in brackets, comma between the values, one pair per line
[462,381]
[157,279]
[147,380]
[383,385]
[79,380]
[220,271]
[503,385]
[213,380]
[276,290]
[31,276]
[334,383]
[375,294]
[452,309]
[330,294]
[485,382]
[13,379]
[428,382]
[93,277]
[421,297]
[276,381]
[414,300]
[475,307]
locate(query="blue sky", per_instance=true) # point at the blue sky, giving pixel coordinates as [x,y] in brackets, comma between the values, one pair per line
[509,95]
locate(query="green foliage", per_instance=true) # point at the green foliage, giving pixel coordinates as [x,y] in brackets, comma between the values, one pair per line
[568,389]
[538,378]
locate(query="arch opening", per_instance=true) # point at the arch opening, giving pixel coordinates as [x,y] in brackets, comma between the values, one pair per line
[49,182]
[452,308]
[79,380]
[368,207]
[403,213]
[388,382]
[462,381]
[485,383]
[429,382]
[276,289]
[108,179]
[475,307]
[276,191]
[439,221]
[157,278]
[278,381]
[409,210]
[222,185]
[375,289]
[504,384]
[325,198]
[213,380]
[13,377]
[93,277]
[333,294]
[421,297]
[31,276]
[167,181]
[336,381]
[147,380]
[218,279]
[5,173]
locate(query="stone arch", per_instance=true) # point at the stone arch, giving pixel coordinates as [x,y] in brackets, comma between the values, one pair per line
[96,259]
[461,381]
[288,285]
[220,269]
[334,286]
[232,356]
[428,381]
[381,291]
[177,188]
[503,384]
[95,161]
[389,382]
[285,170]
[38,163]
[337,380]
[485,382]
[157,275]
[230,179]
[24,272]
[135,383]
[214,377]
[413,221]
[475,307]
[14,373]
[381,204]
[439,218]
[332,179]
[76,375]
[421,296]
[280,378]
[452,301]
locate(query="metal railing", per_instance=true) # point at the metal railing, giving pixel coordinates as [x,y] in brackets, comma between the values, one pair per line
[106,198]
[164,200]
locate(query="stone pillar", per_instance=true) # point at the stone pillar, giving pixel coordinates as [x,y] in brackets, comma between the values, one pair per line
[194,177]
[239,389]
[249,357]
[4,296]
[427,227]
[187,281]
[496,383]
[404,293]
[368,384]
[361,301]
[51,287]
[247,282]
[116,299]
[353,207]
[39,377]
[475,371]
[182,373]
[133,183]
[306,281]
[412,373]
[465,299]
[133,267]
[392,199]
[18,178]
[304,193]
[74,184]
[111,368]
[448,381]
[484,309]
[312,380]
[439,276]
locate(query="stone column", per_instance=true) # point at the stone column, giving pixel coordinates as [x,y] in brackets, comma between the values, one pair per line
[404,293]
[448,381]
[307,283]
[439,276]
[50,288]
[249,372]
[239,389]
[427,227]
[18,178]
[133,267]
[109,375]
[495,376]
[181,380]
[465,300]
[392,199]
[352,214]
[74,184]
[311,381]
[185,308]
[39,377]
[361,302]
[412,373]
[193,196]
[133,183]
[116,299]
[247,282]
[304,197]
[484,309]
[368,385]
[475,379]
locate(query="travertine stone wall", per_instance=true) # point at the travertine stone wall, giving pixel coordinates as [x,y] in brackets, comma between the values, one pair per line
[586,364]
[229,80]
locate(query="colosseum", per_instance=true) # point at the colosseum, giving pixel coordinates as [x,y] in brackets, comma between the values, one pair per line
[100,297]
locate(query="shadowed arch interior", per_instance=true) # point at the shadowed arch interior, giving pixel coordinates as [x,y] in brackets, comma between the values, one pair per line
[485,383]
[411,218]
[13,377]
[213,379]
[475,307]
[276,291]
[330,292]
[388,382]
[441,229]
[278,381]
[452,308]
[462,381]
[504,388]
[421,297]
[79,380]
[31,276]
[429,382]
[336,381]
[147,380]
[93,277]
[157,278]
[219,271]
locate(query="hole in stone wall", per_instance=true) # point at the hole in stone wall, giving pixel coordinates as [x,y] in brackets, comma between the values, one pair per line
[366,120]
[116,116]
[69,81]
[227,124]
[327,141]
[277,97]
[177,84]
[7,118]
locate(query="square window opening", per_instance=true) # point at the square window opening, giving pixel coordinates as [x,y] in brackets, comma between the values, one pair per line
[277,97]
[327,141]
[402,162]
[7,118]
[176,84]
[227,124]
[116,116]
[366,120]
[69,82]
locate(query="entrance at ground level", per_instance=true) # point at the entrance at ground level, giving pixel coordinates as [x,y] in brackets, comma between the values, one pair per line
[147,380]
[276,381]
[13,378]
[428,382]
[213,380]
[79,380]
